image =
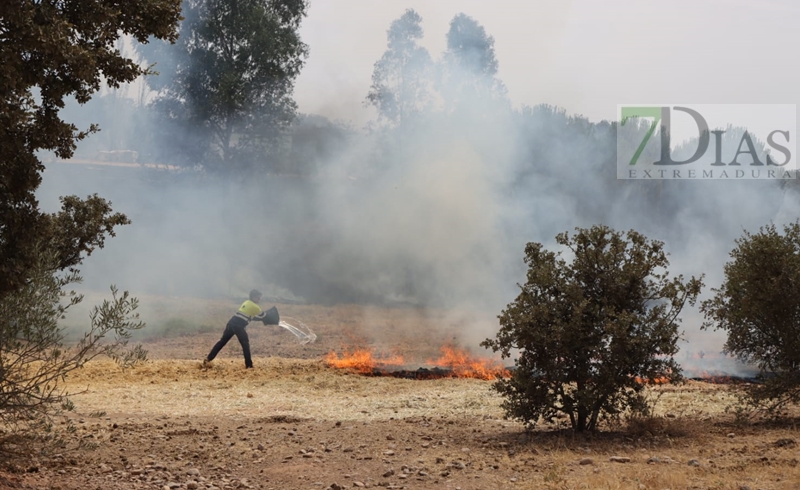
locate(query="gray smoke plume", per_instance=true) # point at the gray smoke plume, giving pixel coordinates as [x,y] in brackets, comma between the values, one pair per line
[432,209]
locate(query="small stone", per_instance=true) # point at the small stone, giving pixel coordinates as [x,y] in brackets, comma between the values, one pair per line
[193,472]
[586,461]
[693,462]
[388,473]
[620,459]
[464,449]
[389,437]
[260,447]
[192,485]
[731,435]
[358,484]
[513,479]
[653,460]
[389,452]
[458,465]
[744,487]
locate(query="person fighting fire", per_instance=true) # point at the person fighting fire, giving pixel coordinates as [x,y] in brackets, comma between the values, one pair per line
[249,311]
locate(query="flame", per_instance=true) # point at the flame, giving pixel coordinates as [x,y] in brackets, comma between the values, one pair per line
[655,381]
[719,378]
[465,365]
[453,362]
[361,361]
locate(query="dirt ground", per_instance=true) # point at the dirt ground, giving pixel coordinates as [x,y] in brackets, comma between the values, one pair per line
[294,423]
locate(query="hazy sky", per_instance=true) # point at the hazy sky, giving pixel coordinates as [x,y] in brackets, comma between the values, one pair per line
[586,56]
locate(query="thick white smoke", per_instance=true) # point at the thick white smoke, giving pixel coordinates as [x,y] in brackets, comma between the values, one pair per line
[434,212]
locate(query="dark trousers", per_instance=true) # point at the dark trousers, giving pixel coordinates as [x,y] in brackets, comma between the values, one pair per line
[233,328]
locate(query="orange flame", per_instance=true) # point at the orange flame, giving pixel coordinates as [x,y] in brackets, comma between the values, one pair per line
[465,365]
[361,361]
[655,381]
[717,378]
[453,362]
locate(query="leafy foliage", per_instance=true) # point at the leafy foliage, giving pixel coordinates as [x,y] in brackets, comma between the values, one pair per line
[469,67]
[230,77]
[591,333]
[34,359]
[757,305]
[50,51]
[401,78]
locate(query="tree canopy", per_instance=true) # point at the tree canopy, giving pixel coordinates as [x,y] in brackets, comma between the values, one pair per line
[51,51]
[231,75]
[591,333]
[401,78]
[757,307]
[469,66]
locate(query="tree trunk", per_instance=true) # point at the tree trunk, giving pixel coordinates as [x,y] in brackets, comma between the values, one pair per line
[583,415]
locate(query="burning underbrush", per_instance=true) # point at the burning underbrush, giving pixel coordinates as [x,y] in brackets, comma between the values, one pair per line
[453,362]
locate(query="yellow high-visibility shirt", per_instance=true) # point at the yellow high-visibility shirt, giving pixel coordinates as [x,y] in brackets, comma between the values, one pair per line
[249,309]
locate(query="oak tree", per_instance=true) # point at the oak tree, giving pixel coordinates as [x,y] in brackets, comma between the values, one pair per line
[51,50]
[758,306]
[593,331]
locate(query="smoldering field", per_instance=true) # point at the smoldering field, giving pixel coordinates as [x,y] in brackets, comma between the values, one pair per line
[292,422]
[314,245]
[429,206]
[402,239]
[439,222]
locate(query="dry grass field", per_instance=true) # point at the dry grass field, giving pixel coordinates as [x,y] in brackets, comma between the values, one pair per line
[295,423]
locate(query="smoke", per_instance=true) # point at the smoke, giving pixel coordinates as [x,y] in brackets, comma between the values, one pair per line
[433,211]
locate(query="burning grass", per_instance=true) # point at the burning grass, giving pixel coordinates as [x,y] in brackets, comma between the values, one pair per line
[453,363]
[313,388]
[290,387]
[452,427]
